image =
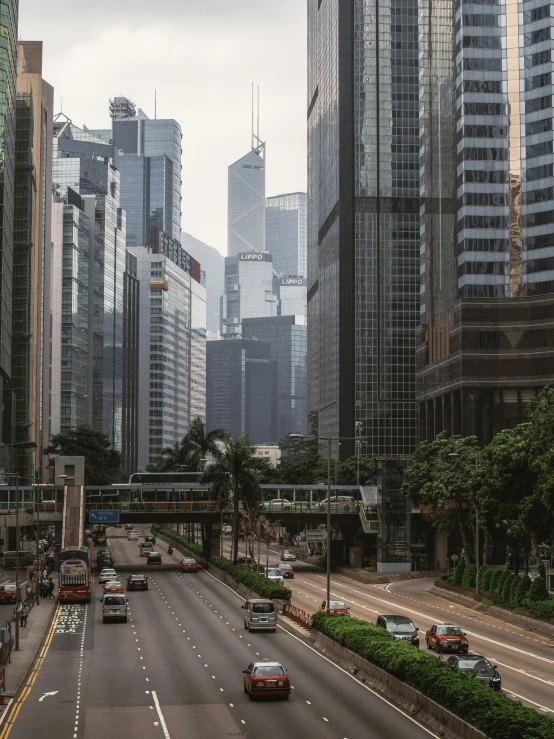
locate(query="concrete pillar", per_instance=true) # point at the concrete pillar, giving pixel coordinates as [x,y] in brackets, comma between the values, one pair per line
[447,414]
[213,540]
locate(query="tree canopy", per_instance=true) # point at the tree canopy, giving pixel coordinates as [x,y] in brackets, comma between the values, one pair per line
[102,463]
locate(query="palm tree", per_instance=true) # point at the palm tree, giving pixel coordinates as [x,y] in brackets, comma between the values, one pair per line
[198,443]
[235,475]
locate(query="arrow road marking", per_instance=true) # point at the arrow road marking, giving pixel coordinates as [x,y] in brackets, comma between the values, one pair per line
[47,694]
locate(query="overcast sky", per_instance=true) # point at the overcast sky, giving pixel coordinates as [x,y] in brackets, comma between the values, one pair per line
[201,56]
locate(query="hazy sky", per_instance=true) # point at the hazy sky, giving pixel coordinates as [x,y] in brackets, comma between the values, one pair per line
[201,56]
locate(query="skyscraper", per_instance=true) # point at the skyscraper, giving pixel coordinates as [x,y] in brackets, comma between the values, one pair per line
[363,220]
[8,67]
[286,232]
[27,404]
[86,180]
[248,290]
[131,364]
[246,202]
[487,231]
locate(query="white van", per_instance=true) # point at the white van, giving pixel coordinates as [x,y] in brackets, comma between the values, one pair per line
[114,607]
[145,547]
[259,614]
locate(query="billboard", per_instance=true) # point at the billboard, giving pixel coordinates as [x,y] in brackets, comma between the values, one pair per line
[252,256]
[103,516]
[287,281]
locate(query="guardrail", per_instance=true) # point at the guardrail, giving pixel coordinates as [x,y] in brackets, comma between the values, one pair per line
[167,506]
[297,614]
[369,527]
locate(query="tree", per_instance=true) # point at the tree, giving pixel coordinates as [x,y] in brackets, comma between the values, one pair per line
[193,448]
[459,573]
[523,589]
[469,577]
[102,463]
[441,476]
[537,591]
[236,476]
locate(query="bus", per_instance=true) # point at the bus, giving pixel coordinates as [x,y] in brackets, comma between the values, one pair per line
[74,586]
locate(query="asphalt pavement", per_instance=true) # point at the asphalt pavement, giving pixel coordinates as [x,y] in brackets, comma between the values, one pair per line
[175,670]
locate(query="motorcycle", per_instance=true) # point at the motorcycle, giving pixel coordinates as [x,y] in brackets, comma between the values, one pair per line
[170,550]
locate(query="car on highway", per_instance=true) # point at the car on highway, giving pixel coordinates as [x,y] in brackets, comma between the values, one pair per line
[103,553]
[145,547]
[107,574]
[100,541]
[113,586]
[154,558]
[400,628]
[137,582]
[8,593]
[132,535]
[117,525]
[244,560]
[151,539]
[446,638]
[128,527]
[114,607]
[260,615]
[265,679]
[188,564]
[336,608]
[476,666]
[274,575]
[226,529]
[287,555]
[286,570]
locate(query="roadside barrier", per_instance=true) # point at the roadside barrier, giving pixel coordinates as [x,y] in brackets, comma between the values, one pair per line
[303,618]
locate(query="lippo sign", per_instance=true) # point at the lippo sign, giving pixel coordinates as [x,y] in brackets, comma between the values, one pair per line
[251,256]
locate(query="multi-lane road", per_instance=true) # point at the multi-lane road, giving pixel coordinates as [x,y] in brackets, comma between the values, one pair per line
[524,659]
[175,670]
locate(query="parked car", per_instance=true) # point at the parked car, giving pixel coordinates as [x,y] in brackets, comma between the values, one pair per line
[400,628]
[336,607]
[264,679]
[478,667]
[446,638]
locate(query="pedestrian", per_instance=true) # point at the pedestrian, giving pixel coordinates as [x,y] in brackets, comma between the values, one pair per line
[24,614]
[50,591]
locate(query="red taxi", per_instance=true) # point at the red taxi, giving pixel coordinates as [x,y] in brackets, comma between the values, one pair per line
[188,564]
[446,638]
[263,679]
[113,586]
[336,608]
[8,593]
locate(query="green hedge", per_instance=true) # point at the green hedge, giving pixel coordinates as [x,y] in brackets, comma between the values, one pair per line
[252,580]
[498,716]
[190,545]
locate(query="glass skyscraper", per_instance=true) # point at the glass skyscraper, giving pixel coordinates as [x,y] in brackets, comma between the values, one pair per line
[363,221]
[286,232]
[246,203]
[487,213]
[248,290]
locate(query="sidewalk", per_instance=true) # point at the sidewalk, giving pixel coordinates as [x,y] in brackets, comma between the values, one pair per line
[30,639]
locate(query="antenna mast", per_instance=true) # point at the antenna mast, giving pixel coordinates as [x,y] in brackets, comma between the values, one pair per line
[257,144]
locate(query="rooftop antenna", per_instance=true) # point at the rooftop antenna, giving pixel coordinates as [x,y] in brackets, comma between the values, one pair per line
[155,104]
[252,143]
[258,126]
[257,144]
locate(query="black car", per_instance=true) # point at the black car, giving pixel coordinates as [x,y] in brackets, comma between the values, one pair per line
[151,539]
[105,561]
[103,553]
[100,541]
[137,582]
[477,666]
[400,628]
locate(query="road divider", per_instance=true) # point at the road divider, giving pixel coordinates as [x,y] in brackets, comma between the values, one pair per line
[299,615]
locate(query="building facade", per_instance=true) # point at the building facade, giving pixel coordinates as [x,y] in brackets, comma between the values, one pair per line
[85,177]
[171,384]
[287,337]
[291,292]
[363,221]
[248,290]
[240,388]
[131,338]
[487,232]
[286,232]
[246,203]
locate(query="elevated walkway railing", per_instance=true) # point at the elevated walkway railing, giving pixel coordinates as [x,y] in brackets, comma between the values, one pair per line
[183,506]
[369,527]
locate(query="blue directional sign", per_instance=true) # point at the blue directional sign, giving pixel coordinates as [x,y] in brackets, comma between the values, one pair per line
[103,516]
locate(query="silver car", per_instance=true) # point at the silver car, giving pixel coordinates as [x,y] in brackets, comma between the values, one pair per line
[274,575]
[114,607]
[106,575]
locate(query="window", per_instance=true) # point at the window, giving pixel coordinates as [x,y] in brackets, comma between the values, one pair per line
[488,339]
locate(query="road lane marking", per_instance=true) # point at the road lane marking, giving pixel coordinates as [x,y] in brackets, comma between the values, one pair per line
[521,697]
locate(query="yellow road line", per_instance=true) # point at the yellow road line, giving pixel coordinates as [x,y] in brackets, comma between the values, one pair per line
[18,702]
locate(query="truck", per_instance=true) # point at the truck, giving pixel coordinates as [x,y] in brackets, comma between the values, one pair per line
[75,584]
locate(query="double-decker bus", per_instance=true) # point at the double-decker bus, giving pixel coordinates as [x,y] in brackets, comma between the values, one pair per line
[74,583]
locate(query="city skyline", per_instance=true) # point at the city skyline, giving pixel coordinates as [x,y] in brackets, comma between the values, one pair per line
[216,75]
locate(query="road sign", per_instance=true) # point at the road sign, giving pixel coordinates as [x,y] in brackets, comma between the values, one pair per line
[313,535]
[103,516]
[454,557]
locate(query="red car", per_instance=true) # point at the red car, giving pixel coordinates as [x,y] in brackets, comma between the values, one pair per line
[188,564]
[8,593]
[446,638]
[263,679]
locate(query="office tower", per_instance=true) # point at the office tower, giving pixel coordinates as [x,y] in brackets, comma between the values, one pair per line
[363,221]
[288,339]
[240,379]
[213,267]
[171,385]
[487,229]
[8,67]
[26,403]
[290,293]
[84,176]
[148,155]
[248,290]
[246,201]
[286,234]
[131,337]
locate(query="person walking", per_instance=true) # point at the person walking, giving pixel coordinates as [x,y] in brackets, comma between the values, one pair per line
[24,615]
[50,589]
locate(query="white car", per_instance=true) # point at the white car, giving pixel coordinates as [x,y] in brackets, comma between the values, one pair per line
[106,575]
[274,575]
[132,535]
[226,529]
[287,555]
[277,504]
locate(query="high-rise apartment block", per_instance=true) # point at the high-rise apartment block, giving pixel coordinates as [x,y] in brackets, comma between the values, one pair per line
[487,214]
[286,234]
[363,221]
[88,236]
[171,352]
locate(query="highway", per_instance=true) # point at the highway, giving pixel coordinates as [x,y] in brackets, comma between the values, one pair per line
[525,660]
[175,670]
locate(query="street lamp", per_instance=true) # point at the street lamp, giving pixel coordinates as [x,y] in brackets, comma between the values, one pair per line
[455,454]
[329,440]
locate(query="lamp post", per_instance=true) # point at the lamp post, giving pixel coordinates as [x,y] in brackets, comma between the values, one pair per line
[329,440]
[455,454]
